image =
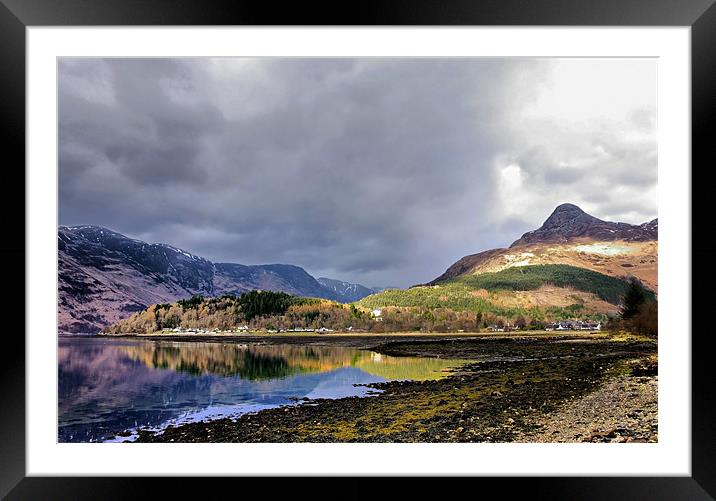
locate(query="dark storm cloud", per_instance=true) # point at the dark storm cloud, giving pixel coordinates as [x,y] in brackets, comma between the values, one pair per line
[149,138]
[378,171]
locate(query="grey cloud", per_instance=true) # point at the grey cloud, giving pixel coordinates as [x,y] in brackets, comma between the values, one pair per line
[151,139]
[377,171]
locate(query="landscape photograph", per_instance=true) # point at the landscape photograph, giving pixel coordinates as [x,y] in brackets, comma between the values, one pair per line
[422,250]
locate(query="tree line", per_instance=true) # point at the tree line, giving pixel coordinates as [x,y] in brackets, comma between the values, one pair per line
[639,311]
[267,310]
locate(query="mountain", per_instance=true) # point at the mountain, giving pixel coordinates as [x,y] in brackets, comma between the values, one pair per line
[233,278]
[651,226]
[572,237]
[544,292]
[568,262]
[104,276]
[574,265]
[568,222]
[348,291]
[465,265]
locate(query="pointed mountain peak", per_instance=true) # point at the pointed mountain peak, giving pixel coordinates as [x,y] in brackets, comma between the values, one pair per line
[568,222]
[563,214]
[567,207]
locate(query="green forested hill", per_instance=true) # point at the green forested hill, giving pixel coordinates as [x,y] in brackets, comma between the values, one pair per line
[458,293]
[523,278]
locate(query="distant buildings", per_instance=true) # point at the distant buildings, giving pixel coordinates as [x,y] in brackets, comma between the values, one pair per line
[570,325]
[376,315]
[502,328]
[576,325]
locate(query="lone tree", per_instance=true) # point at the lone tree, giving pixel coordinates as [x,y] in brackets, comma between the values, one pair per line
[478,319]
[634,297]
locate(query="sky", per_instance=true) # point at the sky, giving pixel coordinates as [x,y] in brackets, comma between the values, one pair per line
[376,171]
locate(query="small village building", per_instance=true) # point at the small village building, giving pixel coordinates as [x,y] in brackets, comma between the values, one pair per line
[576,325]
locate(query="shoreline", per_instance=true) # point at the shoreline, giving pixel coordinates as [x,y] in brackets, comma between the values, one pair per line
[513,390]
[367,340]
[272,335]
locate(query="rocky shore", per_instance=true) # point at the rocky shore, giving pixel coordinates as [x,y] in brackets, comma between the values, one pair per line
[515,389]
[623,409]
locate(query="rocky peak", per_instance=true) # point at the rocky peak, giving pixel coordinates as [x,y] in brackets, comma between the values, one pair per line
[652,226]
[568,222]
[563,215]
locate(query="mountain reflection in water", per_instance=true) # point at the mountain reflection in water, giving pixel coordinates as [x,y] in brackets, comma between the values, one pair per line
[107,386]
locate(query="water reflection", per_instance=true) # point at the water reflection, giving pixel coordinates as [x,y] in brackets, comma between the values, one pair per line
[109,385]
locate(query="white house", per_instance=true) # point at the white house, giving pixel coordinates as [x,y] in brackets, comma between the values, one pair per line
[376,315]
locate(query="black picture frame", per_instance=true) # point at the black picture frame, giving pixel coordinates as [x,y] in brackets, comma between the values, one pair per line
[700,15]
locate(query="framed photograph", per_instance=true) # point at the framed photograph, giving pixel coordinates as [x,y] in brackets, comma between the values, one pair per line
[417,242]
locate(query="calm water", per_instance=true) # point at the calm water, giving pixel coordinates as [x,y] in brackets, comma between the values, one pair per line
[107,386]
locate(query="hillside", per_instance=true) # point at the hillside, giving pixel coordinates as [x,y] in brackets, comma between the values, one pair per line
[570,236]
[526,278]
[104,276]
[279,312]
[560,290]
[573,265]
